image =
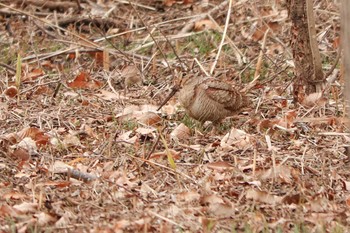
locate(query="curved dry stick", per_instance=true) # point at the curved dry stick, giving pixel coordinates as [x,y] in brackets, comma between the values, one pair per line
[223,37]
[174,89]
[8,67]
[259,62]
[190,24]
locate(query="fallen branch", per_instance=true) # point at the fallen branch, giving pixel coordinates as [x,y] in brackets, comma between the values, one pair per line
[52,5]
[104,23]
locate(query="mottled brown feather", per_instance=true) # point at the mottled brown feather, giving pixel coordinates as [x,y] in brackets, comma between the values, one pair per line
[209,99]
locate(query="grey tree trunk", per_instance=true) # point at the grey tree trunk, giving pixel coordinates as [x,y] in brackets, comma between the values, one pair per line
[345,42]
[307,60]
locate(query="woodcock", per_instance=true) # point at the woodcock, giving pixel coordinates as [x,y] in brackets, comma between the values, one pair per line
[209,99]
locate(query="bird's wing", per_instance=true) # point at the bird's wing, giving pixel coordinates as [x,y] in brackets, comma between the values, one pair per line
[223,93]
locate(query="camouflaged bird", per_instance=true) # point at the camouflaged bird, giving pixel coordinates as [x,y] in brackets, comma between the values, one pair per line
[210,99]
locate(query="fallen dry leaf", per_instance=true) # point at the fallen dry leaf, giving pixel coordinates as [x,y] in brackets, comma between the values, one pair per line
[71,141]
[169,3]
[236,138]
[44,219]
[221,210]
[187,196]
[205,24]
[314,99]
[33,74]
[181,132]
[6,211]
[11,91]
[146,131]
[220,165]
[164,154]
[43,91]
[211,199]
[21,154]
[58,184]
[29,145]
[64,221]
[107,95]
[60,167]
[120,225]
[84,81]
[347,202]
[36,134]
[14,195]
[26,207]
[145,114]
[281,172]
[285,123]
[262,196]
[321,218]
[318,204]
[128,137]
[346,185]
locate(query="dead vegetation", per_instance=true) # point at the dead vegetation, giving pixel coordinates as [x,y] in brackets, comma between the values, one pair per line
[84,148]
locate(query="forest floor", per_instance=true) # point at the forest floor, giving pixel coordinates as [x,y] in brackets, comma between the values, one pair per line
[83,147]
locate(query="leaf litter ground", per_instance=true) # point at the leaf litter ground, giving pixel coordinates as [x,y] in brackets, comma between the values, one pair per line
[83,147]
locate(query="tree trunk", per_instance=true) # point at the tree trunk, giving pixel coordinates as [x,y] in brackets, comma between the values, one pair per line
[307,60]
[345,35]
